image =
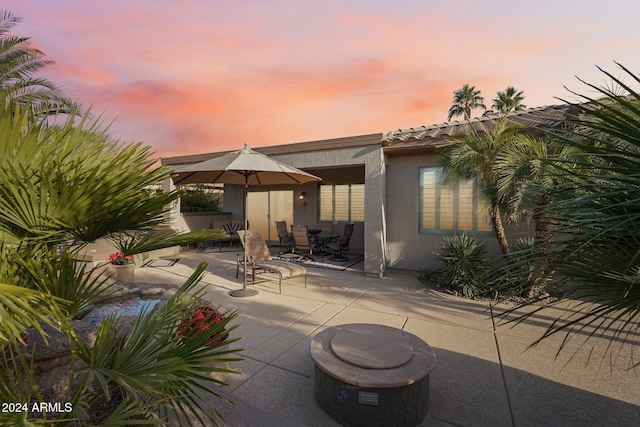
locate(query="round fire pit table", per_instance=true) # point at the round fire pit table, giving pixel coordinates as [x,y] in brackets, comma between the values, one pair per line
[372,375]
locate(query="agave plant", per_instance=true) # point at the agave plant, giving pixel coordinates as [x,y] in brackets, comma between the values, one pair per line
[464,265]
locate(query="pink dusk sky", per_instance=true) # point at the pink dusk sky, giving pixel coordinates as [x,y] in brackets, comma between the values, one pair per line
[188,77]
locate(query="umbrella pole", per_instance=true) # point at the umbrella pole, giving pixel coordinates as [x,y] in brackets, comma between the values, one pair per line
[244,292]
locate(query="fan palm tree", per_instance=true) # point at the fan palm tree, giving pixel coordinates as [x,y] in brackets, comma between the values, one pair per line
[475,154]
[595,255]
[60,185]
[509,100]
[464,100]
[524,179]
[68,183]
[157,371]
[19,61]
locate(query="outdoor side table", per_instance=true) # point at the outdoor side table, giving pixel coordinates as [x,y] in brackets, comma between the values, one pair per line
[372,375]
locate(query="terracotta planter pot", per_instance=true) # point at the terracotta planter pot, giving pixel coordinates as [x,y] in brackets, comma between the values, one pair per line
[124,273]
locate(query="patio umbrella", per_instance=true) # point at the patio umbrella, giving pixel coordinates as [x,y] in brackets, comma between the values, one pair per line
[246,167]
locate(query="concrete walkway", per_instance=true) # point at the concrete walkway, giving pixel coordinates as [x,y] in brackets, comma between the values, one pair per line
[485,374]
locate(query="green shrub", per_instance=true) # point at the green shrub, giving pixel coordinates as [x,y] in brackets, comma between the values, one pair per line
[464,266]
[200,197]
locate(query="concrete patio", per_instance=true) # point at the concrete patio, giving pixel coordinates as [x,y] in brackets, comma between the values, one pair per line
[485,375]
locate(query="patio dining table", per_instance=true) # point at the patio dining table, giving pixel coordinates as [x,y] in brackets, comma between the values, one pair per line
[321,240]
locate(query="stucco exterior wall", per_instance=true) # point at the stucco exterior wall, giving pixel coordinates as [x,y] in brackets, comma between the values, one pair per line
[407,248]
[204,221]
[336,165]
[372,158]
[390,237]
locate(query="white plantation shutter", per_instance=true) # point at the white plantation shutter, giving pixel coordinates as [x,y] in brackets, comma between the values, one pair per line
[428,192]
[341,202]
[357,202]
[465,205]
[449,208]
[326,203]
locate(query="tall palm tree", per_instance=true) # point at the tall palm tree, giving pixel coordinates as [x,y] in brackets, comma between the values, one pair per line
[464,100]
[475,154]
[509,100]
[595,255]
[524,180]
[19,61]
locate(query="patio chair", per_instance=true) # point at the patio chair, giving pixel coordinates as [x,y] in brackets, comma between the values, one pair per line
[301,240]
[230,230]
[285,237]
[260,261]
[341,245]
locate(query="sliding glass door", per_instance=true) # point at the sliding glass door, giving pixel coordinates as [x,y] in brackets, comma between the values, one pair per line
[264,208]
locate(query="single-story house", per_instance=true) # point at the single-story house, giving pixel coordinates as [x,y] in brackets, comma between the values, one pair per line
[387,184]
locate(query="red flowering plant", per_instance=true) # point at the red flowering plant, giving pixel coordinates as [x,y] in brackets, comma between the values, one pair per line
[119,258]
[202,320]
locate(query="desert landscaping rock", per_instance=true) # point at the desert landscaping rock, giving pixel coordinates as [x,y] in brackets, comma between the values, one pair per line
[57,344]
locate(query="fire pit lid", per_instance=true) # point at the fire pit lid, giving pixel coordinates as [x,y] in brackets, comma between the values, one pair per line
[372,349]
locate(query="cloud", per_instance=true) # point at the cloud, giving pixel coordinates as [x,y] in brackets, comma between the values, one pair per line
[198,76]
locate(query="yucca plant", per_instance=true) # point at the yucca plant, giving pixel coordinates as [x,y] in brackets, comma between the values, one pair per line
[464,265]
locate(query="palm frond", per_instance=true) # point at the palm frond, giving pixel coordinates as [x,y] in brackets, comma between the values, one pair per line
[157,370]
[149,240]
[21,308]
[595,256]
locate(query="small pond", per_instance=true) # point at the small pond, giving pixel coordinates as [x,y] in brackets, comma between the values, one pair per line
[133,306]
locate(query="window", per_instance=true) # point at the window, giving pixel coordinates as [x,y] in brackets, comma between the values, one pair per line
[341,202]
[451,208]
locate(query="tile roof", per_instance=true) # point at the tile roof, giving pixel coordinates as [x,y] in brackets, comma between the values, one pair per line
[539,117]
[299,147]
[406,140]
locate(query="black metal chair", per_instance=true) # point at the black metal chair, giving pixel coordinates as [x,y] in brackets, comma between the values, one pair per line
[340,245]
